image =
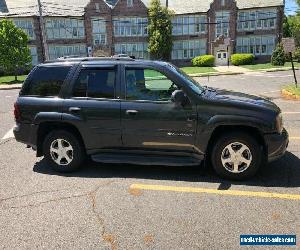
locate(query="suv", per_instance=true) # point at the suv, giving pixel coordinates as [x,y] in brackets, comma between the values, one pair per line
[121,110]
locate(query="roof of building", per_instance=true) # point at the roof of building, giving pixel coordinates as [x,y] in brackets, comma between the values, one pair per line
[76,7]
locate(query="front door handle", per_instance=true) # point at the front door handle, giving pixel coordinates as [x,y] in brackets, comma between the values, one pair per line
[74,109]
[131,112]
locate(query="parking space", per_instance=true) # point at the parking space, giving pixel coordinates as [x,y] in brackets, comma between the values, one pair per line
[113,206]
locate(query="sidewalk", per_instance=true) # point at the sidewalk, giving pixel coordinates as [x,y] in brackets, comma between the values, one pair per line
[11,86]
[232,69]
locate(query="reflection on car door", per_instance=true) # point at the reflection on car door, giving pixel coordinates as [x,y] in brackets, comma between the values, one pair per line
[94,103]
[150,120]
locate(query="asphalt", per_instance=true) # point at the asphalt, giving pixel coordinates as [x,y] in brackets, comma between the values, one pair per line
[99,208]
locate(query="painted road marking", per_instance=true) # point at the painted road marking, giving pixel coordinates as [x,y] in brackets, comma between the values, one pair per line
[291,113]
[294,138]
[9,134]
[216,191]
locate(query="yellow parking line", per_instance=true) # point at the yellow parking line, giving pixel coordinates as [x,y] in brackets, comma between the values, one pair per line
[291,113]
[215,191]
[294,138]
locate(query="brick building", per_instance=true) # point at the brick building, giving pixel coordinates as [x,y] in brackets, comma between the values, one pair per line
[99,27]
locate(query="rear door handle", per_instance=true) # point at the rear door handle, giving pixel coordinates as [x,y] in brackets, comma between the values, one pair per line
[74,109]
[131,112]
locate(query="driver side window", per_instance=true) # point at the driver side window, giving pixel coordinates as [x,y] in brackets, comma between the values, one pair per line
[148,84]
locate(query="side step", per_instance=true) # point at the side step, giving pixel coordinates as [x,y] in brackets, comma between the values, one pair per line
[146,159]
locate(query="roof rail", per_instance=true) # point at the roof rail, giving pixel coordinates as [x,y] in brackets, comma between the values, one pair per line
[87,59]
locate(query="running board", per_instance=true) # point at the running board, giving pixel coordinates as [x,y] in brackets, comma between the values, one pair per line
[146,159]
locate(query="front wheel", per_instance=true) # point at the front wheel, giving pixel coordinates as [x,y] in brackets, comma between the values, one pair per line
[236,156]
[63,151]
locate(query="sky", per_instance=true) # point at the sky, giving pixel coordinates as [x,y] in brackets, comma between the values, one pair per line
[290,7]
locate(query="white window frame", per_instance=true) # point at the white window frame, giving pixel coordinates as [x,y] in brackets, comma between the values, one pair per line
[58,50]
[129,3]
[26,24]
[99,31]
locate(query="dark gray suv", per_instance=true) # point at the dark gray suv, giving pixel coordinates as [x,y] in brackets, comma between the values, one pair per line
[121,110]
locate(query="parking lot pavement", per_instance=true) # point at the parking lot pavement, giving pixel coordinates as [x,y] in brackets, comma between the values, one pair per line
[140,207]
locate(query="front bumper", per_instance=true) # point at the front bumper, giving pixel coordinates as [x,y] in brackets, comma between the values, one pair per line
[276,145]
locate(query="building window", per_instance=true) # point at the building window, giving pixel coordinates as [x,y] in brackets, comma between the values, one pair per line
[56,51]
[222,26]
[26,25]
[129,3]
[187,49]
[64,28]
[223,3]
[99,31]
[254,20]
[97,6]
[34,55]
[130,26]
[257,45]
[138,50]
[192,24]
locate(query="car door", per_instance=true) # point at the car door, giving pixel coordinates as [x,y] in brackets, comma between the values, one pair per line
[149,119]
[94,108]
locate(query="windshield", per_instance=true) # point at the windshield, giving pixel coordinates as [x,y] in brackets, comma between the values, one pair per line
[192,83]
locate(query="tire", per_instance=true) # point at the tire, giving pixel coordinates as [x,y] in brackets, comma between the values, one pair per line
[72,151]
[240,163]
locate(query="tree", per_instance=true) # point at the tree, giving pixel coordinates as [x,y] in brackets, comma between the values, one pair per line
[278,56]
[14,51]
[160,31]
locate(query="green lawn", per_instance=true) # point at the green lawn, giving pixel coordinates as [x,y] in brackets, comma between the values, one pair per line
[292,88]
[269,66]
[11,79]
[197,70]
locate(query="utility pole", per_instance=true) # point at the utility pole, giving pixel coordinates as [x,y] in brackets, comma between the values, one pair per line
[43,34]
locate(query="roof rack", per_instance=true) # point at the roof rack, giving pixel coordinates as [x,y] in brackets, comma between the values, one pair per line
[87,59]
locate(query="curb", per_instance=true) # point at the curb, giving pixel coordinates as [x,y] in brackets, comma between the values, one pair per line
[10,88]
[289,95]
[215,74]
[275,70]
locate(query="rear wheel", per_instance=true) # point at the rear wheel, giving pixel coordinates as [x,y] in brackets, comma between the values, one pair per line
[63,151]
[236,156]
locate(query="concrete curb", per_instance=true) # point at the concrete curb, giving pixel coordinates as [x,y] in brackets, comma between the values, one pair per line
[11,87]
[289,95]
[215,74]
[275,69]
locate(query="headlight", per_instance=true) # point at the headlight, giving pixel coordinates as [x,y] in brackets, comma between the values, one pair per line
[279,123]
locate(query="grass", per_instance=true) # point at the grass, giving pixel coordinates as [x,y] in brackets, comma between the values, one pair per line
[11,79]
[197,70]
[269,66]
[292,89]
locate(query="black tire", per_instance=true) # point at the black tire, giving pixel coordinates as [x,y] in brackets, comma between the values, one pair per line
[78,153]
[232,137]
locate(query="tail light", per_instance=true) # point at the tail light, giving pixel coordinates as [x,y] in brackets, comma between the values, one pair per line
[17,112]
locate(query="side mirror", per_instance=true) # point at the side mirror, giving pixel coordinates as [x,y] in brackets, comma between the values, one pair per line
[179,98]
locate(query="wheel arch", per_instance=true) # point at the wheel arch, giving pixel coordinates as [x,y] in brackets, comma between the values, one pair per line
[46,127]
[220,130]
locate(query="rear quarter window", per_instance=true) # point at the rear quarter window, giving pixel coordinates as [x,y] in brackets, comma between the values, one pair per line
[45,81]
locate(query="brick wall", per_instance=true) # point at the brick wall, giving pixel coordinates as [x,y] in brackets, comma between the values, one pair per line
[99,9]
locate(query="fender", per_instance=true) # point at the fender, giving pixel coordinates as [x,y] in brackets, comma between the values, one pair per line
[47,117]
[240,120]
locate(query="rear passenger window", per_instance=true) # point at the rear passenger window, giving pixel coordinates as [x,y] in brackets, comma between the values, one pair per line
[95,83]
[46,81]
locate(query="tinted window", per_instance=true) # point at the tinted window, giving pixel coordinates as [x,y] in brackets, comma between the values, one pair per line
[46,81]
[148,84]
[99,83]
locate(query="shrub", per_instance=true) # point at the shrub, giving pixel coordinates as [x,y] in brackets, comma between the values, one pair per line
[297,54]
[204,61]
[242,59]
[278,56]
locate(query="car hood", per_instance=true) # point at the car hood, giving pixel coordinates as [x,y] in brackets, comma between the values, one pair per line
[241,98]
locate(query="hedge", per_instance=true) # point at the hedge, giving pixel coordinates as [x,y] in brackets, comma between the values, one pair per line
[242,59]
[203,61]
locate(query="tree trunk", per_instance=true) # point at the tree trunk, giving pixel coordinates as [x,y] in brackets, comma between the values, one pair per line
[16,78]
